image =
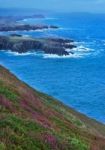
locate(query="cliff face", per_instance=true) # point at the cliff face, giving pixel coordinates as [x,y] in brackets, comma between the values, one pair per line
[21,44]
[30,120]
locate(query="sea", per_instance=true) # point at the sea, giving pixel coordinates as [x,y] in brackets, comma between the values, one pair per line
[77,80]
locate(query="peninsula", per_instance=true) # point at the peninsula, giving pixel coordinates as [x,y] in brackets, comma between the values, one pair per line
[22,44]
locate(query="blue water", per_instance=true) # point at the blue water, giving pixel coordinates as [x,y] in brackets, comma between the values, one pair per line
[79,80]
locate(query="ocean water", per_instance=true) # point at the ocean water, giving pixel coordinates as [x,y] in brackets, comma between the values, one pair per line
[77,80]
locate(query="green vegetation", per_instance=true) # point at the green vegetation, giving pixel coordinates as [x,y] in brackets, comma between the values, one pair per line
[30,120]
[8,92]
[2,146]
[18,131]
[79,144]
[63,110]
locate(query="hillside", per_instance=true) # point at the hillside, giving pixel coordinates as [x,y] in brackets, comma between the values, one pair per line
[30,120]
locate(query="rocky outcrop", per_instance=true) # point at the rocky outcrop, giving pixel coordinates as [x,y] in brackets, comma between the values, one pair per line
[22,27]
[18,35]
[21,44]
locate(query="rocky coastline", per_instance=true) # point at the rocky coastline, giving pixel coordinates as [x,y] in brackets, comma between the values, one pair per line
[27,27]
[22,44]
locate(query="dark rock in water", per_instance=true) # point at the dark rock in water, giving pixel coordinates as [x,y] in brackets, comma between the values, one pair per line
[23,44]
[53,27]
[69,46]
[18,35]
[4,43]
[55,50]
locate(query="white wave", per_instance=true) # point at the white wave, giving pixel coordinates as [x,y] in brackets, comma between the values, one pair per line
[25,35]
[82,48]
[30,19]
[49,18]
[36,30]
[42,30]
[25,20]
[60,57]
[79,52]
[21,54]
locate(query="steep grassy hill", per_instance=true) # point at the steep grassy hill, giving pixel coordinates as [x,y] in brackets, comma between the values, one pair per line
[30,120]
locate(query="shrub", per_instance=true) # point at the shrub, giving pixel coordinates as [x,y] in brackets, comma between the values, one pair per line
[2,146]
[79,144]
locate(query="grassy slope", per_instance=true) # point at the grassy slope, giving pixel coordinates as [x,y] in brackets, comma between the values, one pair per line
[30,120]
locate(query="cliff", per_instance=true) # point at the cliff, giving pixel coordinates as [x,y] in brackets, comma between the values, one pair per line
[31,120]
[22,44]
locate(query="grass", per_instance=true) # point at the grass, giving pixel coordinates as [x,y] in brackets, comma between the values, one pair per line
[62,110]
[24,134]
[20,125]
[21,134]
[2,146]
[39,122]
[79,144]
[8,92]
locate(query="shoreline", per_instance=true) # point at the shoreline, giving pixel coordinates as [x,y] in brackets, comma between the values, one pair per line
[22,44]
[31,119]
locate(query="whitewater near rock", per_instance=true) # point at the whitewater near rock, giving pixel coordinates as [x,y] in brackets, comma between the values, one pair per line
[22,44]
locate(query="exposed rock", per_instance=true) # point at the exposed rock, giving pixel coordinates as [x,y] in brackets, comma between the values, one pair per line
[27,27]
[23,44]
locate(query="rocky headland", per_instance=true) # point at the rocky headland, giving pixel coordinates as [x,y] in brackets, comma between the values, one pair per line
[25,27]
[22,44]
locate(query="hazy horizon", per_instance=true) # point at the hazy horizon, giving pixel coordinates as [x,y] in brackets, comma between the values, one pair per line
[90,6]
